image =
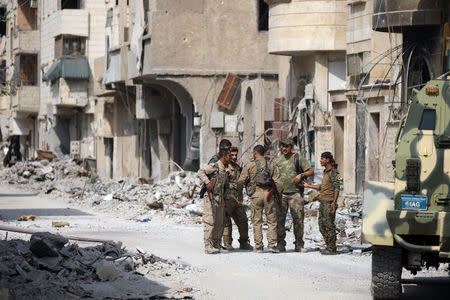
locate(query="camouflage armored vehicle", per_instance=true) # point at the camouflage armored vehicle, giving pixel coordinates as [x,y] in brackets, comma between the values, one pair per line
[408,221]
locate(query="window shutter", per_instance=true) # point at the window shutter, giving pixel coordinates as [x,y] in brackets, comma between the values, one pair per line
[228,92]
[278,111]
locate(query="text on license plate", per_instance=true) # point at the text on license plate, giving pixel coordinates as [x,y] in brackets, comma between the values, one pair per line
[415,202]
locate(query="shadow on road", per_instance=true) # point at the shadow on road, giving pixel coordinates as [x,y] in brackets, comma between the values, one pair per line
[13,214]
[426,288]
[19,195]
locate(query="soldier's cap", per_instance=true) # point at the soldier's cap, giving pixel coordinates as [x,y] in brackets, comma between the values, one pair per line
[287,142]
[327,154]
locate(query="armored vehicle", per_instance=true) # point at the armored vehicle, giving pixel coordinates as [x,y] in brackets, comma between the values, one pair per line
[408,221]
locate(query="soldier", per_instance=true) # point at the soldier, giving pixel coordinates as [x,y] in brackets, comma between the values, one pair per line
[293,170]
[234,208]
[215,177]
[262,197]
[224,144]
[329,193]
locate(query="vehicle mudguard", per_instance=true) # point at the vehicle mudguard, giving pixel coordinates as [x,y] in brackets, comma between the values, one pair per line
[378,198]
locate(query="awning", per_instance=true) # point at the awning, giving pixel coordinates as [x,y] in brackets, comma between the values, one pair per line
[68,68]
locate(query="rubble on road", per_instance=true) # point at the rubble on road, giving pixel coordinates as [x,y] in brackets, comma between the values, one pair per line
[66,178]
[48,267]
[175,197]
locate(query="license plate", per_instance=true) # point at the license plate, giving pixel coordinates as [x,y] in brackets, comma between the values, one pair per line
[413,202]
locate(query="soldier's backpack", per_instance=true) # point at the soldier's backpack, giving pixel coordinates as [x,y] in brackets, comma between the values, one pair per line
[263,178]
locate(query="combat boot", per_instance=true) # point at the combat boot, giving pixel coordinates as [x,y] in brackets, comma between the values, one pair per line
[274,250]
[281,248]
[222,249]
[245,246]
[228,247]
[211,250]
[328,252]
[300,249]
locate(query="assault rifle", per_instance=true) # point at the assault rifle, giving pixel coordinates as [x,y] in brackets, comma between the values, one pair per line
[273,191]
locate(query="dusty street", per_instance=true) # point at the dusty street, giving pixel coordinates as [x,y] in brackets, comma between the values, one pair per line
[237,275]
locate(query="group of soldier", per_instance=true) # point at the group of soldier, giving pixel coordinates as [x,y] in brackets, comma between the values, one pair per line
[273,188]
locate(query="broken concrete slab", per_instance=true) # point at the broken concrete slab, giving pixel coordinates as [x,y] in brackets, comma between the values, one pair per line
[107,271]
[44,244]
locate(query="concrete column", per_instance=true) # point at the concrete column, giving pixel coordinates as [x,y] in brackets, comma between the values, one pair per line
[320,81]
[350,150]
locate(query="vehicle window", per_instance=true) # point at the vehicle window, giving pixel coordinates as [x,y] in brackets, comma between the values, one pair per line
[428,121]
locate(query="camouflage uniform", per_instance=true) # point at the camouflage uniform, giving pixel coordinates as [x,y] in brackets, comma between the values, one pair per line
[234,210]
[215,158]
[292,198]
[213,210]
[259,201]
[331,182]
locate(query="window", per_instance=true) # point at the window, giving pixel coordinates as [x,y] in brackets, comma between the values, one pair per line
[428,121]
[3,18]
[70,4]
[25,69]
[263,16]
[26,16]
[358,63]
[69,45]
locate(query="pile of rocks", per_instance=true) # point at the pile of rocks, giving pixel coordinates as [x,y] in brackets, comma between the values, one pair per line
[48,267]
[177,196]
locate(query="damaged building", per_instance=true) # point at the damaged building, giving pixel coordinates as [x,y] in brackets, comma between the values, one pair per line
[178,77]
[72,37]
[51,49]
[22,73]
[347,80]
[146,87]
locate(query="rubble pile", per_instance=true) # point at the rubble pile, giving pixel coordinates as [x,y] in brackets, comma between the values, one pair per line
[348,224]
[177,196]
[48,267]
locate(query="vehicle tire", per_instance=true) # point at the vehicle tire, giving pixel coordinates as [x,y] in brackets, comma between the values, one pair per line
[386,272]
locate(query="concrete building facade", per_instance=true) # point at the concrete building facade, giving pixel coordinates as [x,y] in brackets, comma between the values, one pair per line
[167,64]
[72,37]
[22,73]
[349,70]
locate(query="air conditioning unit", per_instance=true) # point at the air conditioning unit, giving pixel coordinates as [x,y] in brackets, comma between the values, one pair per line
[33,3]
[75,147]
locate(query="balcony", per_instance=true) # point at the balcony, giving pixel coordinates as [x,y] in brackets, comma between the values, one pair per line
[26,41]
[70,93]
[70,22]
[26,100]
[304,26]
[399,14]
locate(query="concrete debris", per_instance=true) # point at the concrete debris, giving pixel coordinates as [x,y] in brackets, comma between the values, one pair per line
[60,224]
[102,271]
[26,218]
[44,244]
[107,271]
[175,197]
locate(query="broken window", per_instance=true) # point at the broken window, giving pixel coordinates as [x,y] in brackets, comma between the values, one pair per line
[3,72]
[26,70]
[26,15]
[69,45]
[263,16]
[71,4]
[278,109]
[2,22]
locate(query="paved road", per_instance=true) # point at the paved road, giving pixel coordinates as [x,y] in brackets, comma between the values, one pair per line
[237,275]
